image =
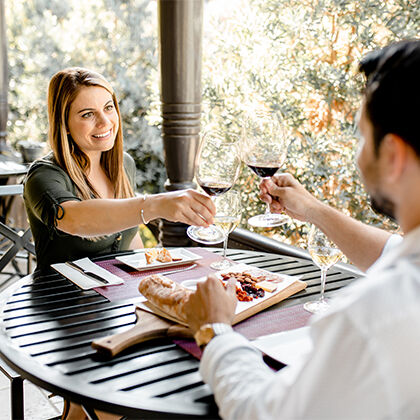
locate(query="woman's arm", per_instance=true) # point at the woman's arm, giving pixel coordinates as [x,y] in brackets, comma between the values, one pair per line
[106,216]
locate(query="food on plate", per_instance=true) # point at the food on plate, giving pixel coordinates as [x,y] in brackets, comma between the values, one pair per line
[248,289]
[267,286]
[151,255]
[166,294]
[164,255]
[159,254]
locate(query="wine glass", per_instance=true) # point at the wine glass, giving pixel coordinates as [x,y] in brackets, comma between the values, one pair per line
[324,254]
[217,170]
[264,152]
[228,216]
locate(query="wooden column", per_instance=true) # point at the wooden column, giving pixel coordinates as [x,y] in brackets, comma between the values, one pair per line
[4,81]
[180,40]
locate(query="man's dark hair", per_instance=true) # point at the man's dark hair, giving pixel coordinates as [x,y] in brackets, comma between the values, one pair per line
[392,95]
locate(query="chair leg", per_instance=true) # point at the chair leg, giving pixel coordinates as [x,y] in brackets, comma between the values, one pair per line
[16,398]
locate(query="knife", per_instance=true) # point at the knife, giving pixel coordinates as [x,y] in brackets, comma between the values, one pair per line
[87,273]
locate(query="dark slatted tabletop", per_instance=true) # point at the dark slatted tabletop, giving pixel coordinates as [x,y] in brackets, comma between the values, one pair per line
[47,327]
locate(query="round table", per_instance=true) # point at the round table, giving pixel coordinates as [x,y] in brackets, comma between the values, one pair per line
[48,324]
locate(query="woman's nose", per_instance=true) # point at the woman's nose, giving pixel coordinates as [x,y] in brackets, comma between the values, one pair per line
[102,119]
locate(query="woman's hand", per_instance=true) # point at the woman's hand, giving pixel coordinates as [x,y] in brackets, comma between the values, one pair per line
[211,302]
[284,193]
[186,206]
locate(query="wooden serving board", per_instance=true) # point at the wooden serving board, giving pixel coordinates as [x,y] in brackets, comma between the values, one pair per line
[253,308]
[290,290]
[148,327]
[153,323]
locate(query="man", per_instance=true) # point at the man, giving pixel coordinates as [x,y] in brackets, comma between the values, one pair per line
[364,362]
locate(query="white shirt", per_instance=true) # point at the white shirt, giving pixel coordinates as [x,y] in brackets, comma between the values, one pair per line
[365,363]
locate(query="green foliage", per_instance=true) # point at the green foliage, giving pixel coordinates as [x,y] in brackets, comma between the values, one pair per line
[115,38]
[301,58]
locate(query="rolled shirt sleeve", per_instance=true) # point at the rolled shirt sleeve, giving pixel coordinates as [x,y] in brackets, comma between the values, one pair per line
[324,385]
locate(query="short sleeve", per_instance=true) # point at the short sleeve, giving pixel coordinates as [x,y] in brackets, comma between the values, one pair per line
[130,170]
[46,187]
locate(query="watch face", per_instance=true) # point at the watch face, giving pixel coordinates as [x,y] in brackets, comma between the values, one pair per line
[204,335]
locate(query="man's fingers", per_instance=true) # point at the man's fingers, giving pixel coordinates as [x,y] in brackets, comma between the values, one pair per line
[231,286]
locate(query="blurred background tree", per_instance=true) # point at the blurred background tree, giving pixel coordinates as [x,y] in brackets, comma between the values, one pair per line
[299,57]
[116,38]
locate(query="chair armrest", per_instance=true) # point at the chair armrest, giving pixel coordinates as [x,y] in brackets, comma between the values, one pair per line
[7,190]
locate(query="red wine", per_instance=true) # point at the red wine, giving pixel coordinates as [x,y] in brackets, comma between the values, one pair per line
[264,171]
[215,188]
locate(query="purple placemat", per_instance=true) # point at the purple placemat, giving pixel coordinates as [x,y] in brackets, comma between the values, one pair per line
[132,277]
[263,323]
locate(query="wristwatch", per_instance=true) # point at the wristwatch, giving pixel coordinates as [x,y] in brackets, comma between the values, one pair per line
[208,331]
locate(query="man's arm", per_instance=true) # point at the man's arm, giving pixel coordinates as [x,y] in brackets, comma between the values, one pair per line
[330,382]
[361,243]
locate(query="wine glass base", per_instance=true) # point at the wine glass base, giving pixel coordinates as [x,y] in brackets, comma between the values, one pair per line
[268,220]
[317,306]
[209,236]
[222,265]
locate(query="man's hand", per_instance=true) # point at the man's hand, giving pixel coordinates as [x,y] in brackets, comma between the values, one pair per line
[211,303]
[285,193]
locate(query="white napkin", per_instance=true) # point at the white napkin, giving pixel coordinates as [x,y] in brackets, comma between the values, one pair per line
[84,281]
[287,347]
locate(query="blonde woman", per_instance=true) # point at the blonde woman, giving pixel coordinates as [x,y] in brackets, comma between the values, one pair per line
[80,198]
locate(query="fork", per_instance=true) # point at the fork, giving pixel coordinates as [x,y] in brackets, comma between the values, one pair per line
[87,273]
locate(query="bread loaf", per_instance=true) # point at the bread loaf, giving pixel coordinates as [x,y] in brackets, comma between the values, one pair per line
[166,294]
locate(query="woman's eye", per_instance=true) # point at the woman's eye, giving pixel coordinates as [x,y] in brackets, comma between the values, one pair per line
[87,115]
[109,107]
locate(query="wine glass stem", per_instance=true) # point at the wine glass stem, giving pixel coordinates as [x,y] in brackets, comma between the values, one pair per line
[225,246]
[323,279]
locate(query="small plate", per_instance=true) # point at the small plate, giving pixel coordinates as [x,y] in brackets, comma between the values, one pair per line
[138,260]
[192,284]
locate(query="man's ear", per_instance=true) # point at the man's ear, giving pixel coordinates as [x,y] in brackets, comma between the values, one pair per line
[393,155]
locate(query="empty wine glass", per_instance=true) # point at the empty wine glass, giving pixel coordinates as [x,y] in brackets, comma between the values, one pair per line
[264,152]
[324,254]
[217,170]
[228,216]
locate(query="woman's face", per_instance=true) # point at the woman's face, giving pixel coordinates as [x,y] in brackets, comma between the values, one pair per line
[93,120]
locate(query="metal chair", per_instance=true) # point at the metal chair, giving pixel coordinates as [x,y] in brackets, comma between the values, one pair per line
[14,243]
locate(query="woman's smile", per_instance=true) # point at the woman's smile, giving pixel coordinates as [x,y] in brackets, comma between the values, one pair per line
[93,120]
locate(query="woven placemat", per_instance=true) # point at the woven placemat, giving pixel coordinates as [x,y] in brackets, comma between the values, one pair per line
[132,277]
[268,322]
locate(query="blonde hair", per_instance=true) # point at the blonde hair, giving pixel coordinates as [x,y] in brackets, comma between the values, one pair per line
[63,88]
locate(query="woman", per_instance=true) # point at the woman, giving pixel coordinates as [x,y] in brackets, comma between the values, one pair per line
[79,198]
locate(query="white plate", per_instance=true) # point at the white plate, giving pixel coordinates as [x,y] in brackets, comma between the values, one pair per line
[192,284]
[138,260]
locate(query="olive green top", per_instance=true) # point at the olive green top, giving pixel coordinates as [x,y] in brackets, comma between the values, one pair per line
[46,187]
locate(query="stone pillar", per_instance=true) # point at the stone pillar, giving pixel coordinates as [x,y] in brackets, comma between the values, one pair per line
[180,40]
[4,81]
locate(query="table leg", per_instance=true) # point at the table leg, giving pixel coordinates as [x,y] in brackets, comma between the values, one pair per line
[90,412]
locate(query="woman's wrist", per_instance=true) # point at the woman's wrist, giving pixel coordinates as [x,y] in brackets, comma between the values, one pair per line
[142,215]
[149,208]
